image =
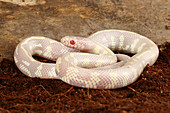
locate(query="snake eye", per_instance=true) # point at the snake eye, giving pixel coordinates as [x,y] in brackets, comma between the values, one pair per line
[72,42]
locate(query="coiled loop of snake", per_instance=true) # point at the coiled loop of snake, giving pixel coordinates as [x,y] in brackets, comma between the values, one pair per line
[86,70]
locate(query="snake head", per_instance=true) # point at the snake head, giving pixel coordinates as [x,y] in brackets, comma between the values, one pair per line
[69,41]
[80,43]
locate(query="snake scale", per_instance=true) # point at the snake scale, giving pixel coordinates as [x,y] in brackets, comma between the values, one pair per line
[88,62]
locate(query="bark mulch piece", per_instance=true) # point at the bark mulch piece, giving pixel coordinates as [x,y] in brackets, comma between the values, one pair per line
[150,93]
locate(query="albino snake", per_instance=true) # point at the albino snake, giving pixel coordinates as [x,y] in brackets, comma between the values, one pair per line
[96,69]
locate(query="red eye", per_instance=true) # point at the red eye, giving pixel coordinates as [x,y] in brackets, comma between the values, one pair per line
[72,42]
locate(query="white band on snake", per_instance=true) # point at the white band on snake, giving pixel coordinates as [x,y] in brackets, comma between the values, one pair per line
[88,62]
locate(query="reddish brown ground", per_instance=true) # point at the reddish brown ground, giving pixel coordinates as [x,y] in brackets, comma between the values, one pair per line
[150,93]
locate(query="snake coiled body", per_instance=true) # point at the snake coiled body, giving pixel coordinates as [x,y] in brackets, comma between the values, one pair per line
[96,69]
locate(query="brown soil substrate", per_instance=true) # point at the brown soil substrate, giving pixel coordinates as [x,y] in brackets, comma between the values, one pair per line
[150,93]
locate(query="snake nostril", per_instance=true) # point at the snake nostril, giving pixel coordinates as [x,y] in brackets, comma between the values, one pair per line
[72,42]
